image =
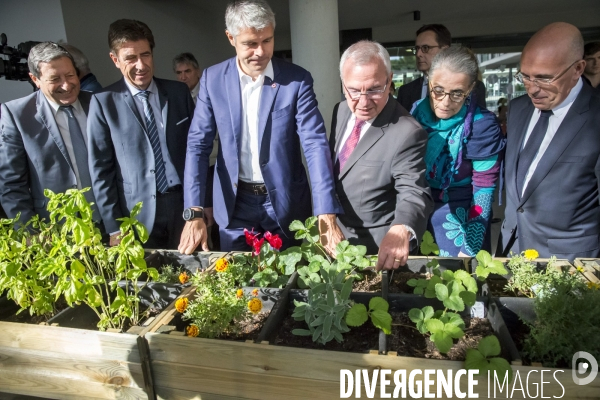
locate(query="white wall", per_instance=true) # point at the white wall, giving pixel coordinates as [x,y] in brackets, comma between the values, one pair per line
[25,20]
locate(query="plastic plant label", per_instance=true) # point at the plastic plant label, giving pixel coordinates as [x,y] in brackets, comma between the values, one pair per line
[478,310]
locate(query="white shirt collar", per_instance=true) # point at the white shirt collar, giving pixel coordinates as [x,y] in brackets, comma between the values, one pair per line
[195,90]
[570,98]
[76,105]
[151,88]
[267,72]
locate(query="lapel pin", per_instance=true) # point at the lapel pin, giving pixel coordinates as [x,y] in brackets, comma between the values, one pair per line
[274,85]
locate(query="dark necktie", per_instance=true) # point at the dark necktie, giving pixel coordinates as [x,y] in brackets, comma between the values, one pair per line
[351,143]
[531,148]
[152,132]
[80,152]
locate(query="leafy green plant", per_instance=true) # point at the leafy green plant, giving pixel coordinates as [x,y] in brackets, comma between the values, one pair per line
[65,256]
[567,321]
[378,312]
[526,277]
[485,358]
[218,307]
[169,274]
[270,268]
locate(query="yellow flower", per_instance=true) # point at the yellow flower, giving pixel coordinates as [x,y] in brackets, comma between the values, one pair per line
[192,330]
[181,304]
[531,254]
[239,294]
[255,305]
[184,277]
[255,292]
[593,285]
[580,269]
[221,265]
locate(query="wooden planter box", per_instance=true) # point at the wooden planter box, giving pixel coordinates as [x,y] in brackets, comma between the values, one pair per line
[591,268]
[68,363]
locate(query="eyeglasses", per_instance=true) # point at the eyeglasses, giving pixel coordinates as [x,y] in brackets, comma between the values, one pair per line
[371,94]
[456,95]
[541,82]
[425,48]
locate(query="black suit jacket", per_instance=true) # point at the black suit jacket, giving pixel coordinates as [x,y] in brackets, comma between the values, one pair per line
[559,212]
[383,181]
[411,92]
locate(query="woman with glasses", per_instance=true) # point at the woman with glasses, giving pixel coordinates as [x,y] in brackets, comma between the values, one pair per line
[464,154]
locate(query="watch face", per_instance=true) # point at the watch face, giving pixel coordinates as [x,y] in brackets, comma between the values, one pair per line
[187,214]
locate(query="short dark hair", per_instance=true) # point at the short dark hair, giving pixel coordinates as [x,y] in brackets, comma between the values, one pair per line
[185,58]
[591,48]
[128,30]
[442,34]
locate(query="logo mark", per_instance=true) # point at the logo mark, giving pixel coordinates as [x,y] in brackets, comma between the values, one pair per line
[581,368]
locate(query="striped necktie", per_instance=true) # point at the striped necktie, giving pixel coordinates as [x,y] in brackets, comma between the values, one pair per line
[152,132]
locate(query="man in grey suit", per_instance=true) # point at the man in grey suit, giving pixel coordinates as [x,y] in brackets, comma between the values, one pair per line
[553,151]
[378,151]
[137,131]
[42,145]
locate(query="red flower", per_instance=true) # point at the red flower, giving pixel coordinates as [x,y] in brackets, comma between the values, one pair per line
[475,211]
[250,236]
[257,245]
[274,240]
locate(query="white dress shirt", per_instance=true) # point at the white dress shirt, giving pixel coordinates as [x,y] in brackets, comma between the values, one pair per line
[172,177]
[62,120]
[425,86]
[195,92]
[250,148]
[554,122]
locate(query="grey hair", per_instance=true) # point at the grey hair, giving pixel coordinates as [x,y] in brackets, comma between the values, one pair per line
[185,58]
[364,52]
[248,14]
[44,53]
[457,59]
[81,61]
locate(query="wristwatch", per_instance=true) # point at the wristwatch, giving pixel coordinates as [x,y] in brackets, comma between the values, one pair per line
[192,213]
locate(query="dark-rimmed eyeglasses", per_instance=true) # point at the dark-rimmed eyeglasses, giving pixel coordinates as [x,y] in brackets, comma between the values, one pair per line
[371,94]
[439,94]
[540,82]
[425,48]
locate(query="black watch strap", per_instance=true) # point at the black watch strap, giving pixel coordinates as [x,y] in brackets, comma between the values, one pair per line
[192,213]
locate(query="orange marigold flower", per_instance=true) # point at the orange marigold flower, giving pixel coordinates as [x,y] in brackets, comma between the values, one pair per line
[181,304]
[531,254]
[221,265]
[192,330]
[239,294]
[255,305]
[255,292]
[184,278]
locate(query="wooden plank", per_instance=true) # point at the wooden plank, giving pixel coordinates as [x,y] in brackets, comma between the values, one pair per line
[167,315]
[49,387]
[177,394]
[79,343]
[64,366]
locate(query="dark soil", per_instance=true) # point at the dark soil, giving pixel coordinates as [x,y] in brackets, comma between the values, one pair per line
[407,341]
[358,340]
[372,282]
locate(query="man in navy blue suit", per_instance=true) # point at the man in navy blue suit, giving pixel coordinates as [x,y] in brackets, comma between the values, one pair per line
[265,111]
[137,131]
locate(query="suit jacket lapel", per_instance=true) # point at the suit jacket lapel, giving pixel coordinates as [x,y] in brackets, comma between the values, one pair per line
[512,153]
[267,97]
[163,102]
[85,103]
[129,100]
[46,117]
[565,134]
[371,136]
[342,117]
[234,99]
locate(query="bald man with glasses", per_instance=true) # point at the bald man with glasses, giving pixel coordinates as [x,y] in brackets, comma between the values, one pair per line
[430,40]
[553,152]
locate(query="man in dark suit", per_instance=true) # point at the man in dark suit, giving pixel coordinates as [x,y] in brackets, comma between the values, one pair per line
[378,150]
[265,111]
[137,131]
[430,40]
[43,136]
[553,151]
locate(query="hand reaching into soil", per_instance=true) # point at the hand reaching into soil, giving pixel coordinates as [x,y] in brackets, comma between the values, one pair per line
[393,251]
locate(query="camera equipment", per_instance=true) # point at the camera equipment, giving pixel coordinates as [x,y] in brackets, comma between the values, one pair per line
[13,68]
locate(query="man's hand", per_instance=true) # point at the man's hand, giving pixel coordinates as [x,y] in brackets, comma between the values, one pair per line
[209,217]
[393,251]
[115,239]
[194,234]
[330,232]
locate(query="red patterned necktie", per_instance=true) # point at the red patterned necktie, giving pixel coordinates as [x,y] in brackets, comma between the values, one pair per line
[351,143]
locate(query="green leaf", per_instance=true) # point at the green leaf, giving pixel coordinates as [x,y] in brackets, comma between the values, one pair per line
[357,315]
[502,367]
[428,245]
[483,257]
[77,269]
[448,275]
[415,315]
[489,346]
[382,320]
[454,302]
[468,297]
[327,327]
[346,289]
[442,341]
[378,303]
[296,226]
[441,291]
[434,325]
[412,282]
[453,331]
[475,360]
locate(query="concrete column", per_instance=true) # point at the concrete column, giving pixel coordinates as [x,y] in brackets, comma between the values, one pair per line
[315,47]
